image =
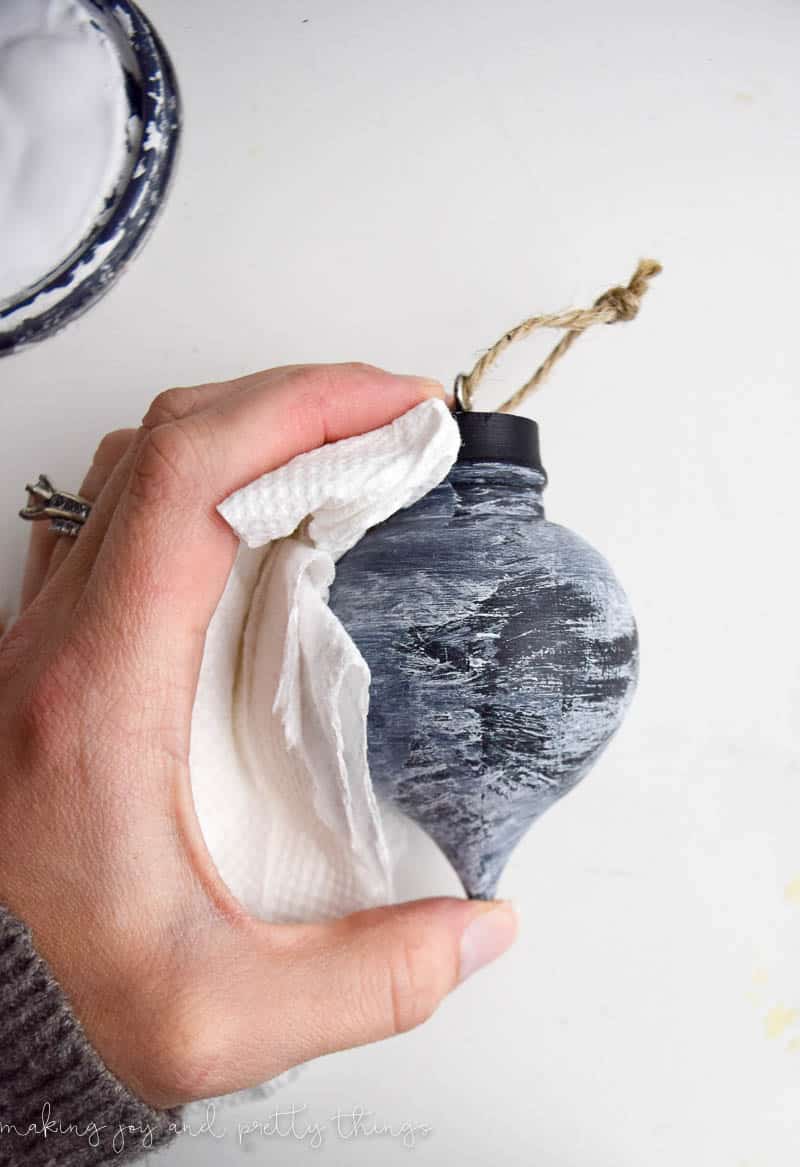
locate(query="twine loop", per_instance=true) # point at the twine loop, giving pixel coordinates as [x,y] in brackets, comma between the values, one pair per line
[615,304]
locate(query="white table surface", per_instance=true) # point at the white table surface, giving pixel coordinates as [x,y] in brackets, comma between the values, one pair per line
[398,183]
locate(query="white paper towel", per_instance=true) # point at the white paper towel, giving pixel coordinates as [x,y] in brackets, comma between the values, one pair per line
[279,746]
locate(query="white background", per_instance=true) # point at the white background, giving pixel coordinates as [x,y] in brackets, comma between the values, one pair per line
[399,183]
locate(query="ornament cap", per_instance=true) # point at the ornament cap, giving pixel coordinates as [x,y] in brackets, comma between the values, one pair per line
[499,437]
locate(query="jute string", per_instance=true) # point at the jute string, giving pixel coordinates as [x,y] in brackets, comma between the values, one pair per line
[618,303]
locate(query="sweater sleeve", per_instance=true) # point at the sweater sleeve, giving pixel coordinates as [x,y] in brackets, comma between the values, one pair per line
[60,1106]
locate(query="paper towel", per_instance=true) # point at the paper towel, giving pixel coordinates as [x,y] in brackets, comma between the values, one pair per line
[278,759]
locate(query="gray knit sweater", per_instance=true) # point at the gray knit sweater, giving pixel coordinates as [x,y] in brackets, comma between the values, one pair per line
[60,1106]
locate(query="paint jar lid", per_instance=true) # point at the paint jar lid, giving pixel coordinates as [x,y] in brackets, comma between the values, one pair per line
[499,437]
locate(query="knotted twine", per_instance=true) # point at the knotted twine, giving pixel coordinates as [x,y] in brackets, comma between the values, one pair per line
[618,303]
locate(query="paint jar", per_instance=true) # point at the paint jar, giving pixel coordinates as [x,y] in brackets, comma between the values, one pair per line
[89,126]
[503,651]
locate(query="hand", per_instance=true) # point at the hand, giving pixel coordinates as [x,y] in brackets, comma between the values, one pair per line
[182,992]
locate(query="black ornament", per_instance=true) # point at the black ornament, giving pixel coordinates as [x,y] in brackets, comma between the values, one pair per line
[503,651]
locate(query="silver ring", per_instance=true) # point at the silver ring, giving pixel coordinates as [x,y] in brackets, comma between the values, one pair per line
[67,512]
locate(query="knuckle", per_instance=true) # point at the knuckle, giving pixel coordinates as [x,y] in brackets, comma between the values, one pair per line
[305,411]
[165,462]
[321,393]
[331,380]
[170,405]
[327,380]
[414,983]
[348,367]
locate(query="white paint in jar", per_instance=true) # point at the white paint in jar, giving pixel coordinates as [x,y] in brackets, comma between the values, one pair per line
[65,135]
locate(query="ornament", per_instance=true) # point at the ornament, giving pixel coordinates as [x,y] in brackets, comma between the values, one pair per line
[503,650]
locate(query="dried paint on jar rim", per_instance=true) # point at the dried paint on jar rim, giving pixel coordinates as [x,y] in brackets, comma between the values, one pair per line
[128,214]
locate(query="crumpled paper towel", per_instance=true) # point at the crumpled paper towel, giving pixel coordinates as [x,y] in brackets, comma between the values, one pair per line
[278,756]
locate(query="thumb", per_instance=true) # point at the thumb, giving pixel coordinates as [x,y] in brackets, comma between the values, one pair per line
[283,994]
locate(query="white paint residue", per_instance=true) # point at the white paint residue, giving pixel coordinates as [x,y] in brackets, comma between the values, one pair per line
[155,140]
[45,300]
[125,20]
[63,119]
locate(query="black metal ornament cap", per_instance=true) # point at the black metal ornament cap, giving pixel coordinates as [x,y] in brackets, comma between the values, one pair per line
[499,437]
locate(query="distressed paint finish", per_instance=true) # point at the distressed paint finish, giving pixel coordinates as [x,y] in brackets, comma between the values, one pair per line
[503,655]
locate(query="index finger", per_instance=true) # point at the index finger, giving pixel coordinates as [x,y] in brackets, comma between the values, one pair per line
[167,554]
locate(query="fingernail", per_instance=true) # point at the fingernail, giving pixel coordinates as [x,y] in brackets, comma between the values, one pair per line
[489,933]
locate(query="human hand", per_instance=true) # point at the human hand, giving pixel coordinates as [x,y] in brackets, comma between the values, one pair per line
[183,993]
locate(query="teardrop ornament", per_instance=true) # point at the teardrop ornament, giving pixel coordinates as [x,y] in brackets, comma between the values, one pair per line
[503,650]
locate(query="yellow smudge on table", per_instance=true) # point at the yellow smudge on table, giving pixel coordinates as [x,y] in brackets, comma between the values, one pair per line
[759,981]
[778,1020]
[794,1045]
[792,891]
